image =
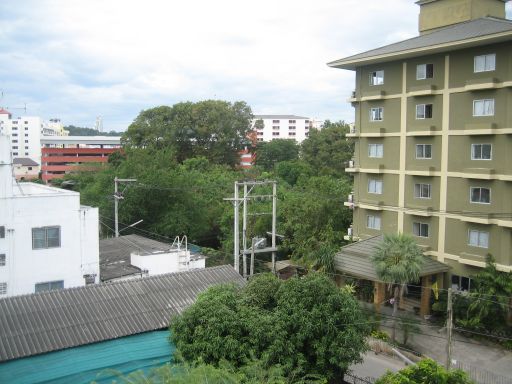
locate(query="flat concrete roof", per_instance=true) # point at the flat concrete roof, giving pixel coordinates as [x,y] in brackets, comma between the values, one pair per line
[91,140]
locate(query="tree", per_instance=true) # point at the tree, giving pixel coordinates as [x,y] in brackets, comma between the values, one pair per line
[327,150]
[213,129]
[269,153]
[425,372]
[398,261]
[304,326]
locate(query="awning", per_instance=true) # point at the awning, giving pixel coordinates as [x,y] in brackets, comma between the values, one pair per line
[354,259]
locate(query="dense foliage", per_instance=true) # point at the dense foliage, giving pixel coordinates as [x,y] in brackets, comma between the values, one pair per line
[303,326]
[82,131]
[213,129]
[270,153]
[425,372]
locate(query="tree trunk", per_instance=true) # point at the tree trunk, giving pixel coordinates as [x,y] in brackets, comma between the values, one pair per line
[395,308]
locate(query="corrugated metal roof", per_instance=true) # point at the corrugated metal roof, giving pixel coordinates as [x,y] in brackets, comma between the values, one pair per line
[54,320]
[486,28]
[25,161]
[354,259]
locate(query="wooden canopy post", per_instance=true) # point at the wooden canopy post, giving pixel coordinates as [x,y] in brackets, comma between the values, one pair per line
[379,295]
[426,289]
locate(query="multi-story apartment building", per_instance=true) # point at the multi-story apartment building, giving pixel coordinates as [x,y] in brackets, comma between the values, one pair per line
[433,133]
[283,127]
[47,239]
[25,133]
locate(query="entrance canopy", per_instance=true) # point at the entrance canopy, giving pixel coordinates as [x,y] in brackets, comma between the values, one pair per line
[355,259]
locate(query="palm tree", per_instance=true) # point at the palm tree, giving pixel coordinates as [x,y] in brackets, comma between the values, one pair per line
[397,260]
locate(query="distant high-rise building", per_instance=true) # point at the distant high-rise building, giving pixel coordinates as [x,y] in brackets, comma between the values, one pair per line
[269,127]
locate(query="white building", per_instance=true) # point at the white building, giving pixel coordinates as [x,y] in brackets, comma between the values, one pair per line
[25,133]
[47,239]
[284,127]
[54,127]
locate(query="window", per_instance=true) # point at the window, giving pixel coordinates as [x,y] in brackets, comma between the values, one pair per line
[26,153]
[424,111]
[26,128]
[26,134]
[14,128]
[49,286]
[423,151]
[424,71]
[483,107]
[461,283]
[292,134]
[481,151]
[275,121]
[275,127]
[2,232]
[29,168]
[422,191]
[291,127]
[480,195]
[260,133]
[45,237]
[14,147]
[26,141]
[375,150]
[15,141]
[377,78]
[373,222]
[26,122]
[15,153]
[377,114]
[14,122]
[291,121]
[2,259]
[306,121]
[478,238]
[375,186]
[485,63]
[3,288]
[420,229]
[14,135]
[275,133]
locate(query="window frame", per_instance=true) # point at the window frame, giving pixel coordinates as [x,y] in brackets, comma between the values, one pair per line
[479,242]
[426,71]
[378,116]
[375,79]
[483,109]
[373,219]
[49,283]
[474,145]
[420,190]
[375,182]
[2,231]
[46,243]
[420,226]
[485,57]
[423,150]
[479,202]
[3,259]
[3,288]
[428,111]
[377,153]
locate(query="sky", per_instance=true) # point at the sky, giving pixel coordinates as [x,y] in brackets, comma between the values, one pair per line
[79,59]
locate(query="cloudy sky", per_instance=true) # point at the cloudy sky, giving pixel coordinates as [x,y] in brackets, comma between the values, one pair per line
[78,59]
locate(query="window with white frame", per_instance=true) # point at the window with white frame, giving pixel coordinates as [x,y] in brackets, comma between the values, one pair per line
[422,191]
[3,288]
[375,186]
[424,71]
[377,78]
[376,150]
[481,151]
[291,121]
[480,195]
[377,114]
[373,222]
[2,259]
[275,127]
[275,133]
[461,283]
[420,229]
[49,286]
[478,238]
[45,237]
[2,232]
[423,111]
[483,107]
[275,121]
[423,151]
[485,63]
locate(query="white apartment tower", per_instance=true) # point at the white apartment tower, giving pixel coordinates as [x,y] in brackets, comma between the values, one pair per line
[47,239]
[25,135]
[283,127]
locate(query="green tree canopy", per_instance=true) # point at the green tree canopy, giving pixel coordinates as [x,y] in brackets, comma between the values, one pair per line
[425,372]
[327,150]
[213,129]
[270,153]
[305,326]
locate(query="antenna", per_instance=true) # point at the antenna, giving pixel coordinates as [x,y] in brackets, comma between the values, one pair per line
[99,124]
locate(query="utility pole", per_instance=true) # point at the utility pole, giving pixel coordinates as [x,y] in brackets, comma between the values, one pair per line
[244,232]
[236,229]
[449,326]
[118,196]
[274,223]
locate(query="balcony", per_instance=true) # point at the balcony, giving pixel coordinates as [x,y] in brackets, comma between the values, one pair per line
[352,132]
[353,97]
[351,166]
[350,235]
[350,201]
[479,84]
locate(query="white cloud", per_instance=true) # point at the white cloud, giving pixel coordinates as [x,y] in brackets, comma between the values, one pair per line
[79,59]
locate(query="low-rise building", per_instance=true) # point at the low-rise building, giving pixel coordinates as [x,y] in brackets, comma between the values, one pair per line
[25,168]
[47,239]
[269,127]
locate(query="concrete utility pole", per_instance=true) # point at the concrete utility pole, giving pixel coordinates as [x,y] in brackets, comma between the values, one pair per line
[118,196]
[449,326]
[248,187]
